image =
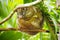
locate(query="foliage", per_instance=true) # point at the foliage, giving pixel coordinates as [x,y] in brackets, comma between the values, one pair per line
[49,11]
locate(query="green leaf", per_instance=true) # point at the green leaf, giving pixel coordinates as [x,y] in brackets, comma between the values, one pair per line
[13,35]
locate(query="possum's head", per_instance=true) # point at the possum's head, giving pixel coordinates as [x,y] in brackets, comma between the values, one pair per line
[26,12]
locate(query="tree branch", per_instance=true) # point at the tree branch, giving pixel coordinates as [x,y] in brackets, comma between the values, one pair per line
[17,29]
[8,29]
[28,4]
[7,18]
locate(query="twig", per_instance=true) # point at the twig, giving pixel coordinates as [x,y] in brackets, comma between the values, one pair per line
[8,29]
[7,18]
[28,4]
[17,29]
[14,29]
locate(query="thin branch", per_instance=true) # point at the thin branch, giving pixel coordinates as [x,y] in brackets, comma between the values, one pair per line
[28,4]
[7,18]
[15,29]
[25,30]
[8,29]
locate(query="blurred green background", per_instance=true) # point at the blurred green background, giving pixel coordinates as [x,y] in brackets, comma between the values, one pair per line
[6,6]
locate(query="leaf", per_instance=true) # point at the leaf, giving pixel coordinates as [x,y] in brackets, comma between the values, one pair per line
[35,37]
[13,35]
